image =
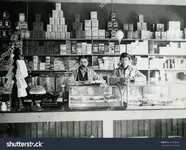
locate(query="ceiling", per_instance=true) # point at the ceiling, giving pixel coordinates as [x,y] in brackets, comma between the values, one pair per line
[150,2]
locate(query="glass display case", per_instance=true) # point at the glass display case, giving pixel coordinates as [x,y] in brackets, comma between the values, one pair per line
[169,95]
[95,96]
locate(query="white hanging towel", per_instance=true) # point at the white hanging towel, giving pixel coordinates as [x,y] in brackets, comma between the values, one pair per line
[21,69]
[22,93]
[21,83]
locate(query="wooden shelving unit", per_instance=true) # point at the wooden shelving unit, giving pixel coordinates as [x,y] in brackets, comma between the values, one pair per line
[150,41]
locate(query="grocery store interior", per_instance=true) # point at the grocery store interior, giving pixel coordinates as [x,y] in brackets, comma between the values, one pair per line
[42,44]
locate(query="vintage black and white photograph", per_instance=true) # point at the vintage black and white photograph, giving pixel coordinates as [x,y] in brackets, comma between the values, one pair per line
[92,69]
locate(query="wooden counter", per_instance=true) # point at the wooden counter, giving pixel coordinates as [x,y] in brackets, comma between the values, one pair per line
[112,121]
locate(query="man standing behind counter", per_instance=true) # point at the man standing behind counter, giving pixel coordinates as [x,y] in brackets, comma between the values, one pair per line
[126,70]
[84,73]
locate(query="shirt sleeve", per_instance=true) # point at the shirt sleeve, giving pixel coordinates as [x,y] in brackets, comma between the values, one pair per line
[114,73]
[139,74]
[96,76]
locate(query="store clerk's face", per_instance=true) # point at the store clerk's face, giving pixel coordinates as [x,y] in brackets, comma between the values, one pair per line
[125,62]
[84,62]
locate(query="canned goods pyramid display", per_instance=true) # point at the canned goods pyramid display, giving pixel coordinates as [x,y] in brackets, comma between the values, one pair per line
[57,29]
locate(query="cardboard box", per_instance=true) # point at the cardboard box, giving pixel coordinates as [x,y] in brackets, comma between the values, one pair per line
[77,18]
[38,17]
[48,35]
[93,15]
[139,26]
[101,48]
[89,48]
[79,48]
[60,14]
[111,48]
[21,17]
[80,26]
[53,35]
[95,25]
[56,21]
[88,24]
[75,26]
[88,33]
[59,28]
[63,49]
[78,34]
[58,6]
[95,48]
[54,13]
[130,34]
[95,34]
[101,33]
[144,26]
[54,28]
[40,26]
[51,21]
[49,28]
[58,35]
[164,35]
[65,28]
[158,35]
[35,26]
[67,35]
[125,26]
[174,25]
[74,47]
[63,35]
[131,27]
[62,21]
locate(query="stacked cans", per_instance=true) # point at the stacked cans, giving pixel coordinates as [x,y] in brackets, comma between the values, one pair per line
[5,25]
[57,29]
[38,25]
[78,28]
[112,26]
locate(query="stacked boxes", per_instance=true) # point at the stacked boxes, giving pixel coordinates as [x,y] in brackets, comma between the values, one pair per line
[75,48]
[174,30]
[57,29]
[92,28]
[141,32]
[142,29]
[38,25]
[160,31]
[78,28]
[112,26]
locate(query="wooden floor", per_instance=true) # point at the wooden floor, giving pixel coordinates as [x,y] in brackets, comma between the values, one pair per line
[122,129]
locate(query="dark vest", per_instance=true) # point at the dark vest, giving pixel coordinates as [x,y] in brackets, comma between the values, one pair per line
[80,77]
